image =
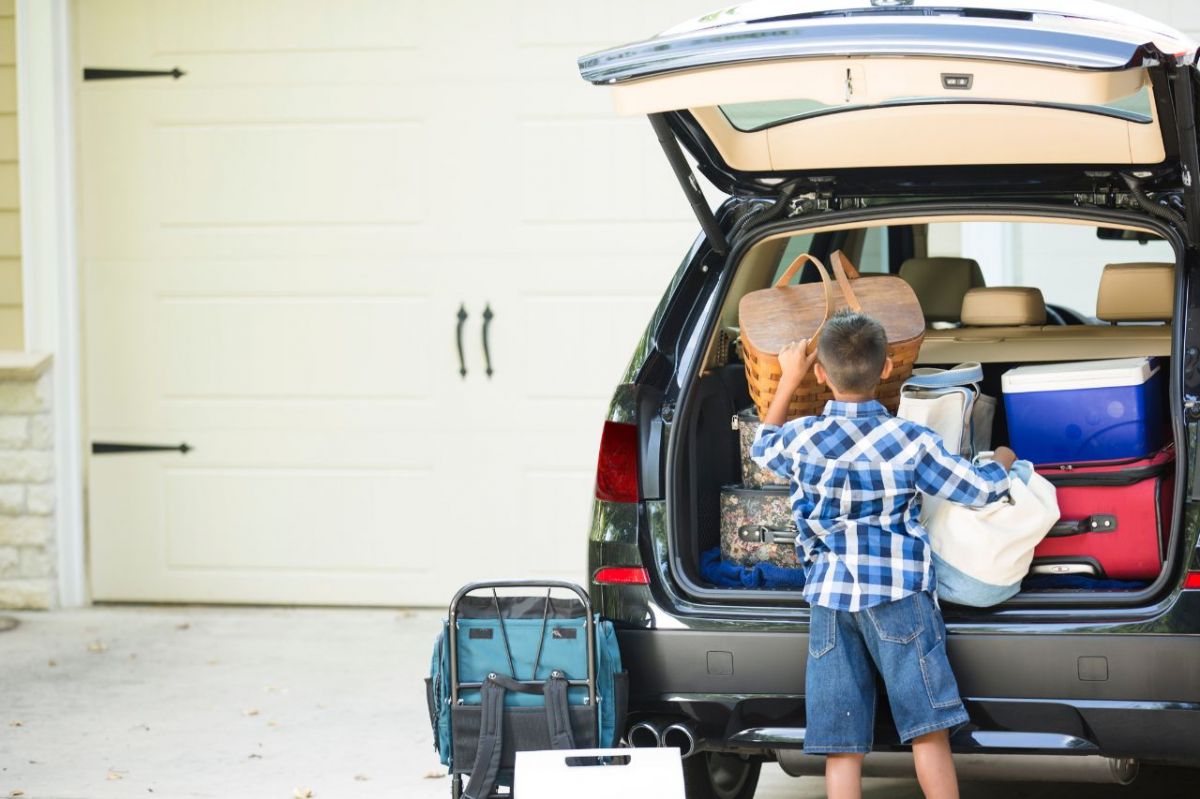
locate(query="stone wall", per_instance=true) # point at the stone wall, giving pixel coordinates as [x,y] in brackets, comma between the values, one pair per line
[27,547]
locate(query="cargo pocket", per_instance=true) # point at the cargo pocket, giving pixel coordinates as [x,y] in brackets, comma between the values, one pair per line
[822,631]
[939,679]
[898,622]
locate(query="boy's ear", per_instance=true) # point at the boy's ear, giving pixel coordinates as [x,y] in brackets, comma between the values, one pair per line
[819,373]
[887,369]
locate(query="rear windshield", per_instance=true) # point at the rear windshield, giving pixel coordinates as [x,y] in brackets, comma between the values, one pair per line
[749,117]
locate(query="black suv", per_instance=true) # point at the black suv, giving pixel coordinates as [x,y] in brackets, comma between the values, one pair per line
[896,130]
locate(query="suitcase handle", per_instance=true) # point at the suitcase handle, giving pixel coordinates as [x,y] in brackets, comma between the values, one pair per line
[1098,523]
[761,534]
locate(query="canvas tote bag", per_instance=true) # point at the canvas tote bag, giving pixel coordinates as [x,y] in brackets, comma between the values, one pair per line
[949,403]
[772,318]
[980,555]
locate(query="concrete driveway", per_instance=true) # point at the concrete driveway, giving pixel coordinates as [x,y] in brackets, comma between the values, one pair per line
[264,703]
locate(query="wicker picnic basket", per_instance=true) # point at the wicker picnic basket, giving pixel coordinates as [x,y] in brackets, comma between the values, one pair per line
[774,317]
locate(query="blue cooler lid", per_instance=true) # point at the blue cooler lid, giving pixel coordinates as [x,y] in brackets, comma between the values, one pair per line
[1081,374]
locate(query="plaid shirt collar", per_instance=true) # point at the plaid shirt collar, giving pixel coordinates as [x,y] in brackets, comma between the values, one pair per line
[855,410]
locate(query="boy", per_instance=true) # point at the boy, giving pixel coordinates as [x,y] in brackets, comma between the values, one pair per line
[855,475]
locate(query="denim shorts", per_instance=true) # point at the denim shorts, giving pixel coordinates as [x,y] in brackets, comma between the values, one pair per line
[902,641]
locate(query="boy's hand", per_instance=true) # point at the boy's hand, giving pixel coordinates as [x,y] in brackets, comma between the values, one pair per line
[795,362]
[1005,457]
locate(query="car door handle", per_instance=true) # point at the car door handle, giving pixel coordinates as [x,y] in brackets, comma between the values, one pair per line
[121,448]
[462,320]
[487,323]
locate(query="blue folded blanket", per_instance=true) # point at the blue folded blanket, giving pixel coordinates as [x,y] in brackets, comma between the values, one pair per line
[728,574]
[1078,582]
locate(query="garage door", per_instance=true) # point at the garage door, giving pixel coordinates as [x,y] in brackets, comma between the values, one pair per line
[281,252]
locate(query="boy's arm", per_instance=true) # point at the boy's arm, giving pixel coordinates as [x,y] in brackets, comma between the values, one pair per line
[944,474]
[794,363]
[771,448]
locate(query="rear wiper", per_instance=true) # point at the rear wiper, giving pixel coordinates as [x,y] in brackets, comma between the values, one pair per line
[893,11]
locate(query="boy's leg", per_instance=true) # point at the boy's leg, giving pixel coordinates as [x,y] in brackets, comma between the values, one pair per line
[935,766]
[843,776]
[907,640]
[839,699]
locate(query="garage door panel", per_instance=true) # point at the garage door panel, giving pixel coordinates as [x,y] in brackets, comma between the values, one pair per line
[195,26]
[601,358]
[295,519]
[292,347]
[290,174]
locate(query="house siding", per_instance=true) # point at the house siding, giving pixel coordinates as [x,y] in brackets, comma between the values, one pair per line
[11,321]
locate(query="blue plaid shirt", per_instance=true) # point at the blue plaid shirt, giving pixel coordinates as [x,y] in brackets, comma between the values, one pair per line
[857,476]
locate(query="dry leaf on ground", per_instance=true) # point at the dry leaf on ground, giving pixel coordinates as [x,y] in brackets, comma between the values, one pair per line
[16,792]
[16,723]
[250,712]
[303,793]
[115,775]
[97,646]
[434,775]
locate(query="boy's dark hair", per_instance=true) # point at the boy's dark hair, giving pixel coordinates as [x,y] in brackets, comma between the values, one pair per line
[853,348]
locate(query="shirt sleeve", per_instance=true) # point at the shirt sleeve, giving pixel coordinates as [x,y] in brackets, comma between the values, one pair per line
[774,448]
[941,473]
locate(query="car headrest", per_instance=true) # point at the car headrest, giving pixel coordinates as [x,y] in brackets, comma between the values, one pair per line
[941,283]
[1141,292]
[1003,305]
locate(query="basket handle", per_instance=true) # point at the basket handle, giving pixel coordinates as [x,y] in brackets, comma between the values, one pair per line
[840,262]
[826,281]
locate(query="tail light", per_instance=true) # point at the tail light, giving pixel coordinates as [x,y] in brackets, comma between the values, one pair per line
[1192,581]
[617,468]
[621,575]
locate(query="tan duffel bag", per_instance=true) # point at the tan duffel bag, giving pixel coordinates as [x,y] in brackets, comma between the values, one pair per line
[772,318]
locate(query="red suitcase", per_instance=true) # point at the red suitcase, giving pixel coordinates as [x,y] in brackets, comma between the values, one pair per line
[1115,518]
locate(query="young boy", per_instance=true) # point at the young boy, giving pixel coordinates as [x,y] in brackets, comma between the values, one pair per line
[855,475]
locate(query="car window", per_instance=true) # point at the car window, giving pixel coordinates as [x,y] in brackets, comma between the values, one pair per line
[874,257]
[759,115]
[1064,261]
[797,245]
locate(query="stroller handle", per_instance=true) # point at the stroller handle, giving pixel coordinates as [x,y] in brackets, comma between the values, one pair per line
[589,623]
[471,588]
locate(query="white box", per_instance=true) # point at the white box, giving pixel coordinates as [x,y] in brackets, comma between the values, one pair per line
[656,772]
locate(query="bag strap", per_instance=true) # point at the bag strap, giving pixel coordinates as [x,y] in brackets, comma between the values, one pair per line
[491,732]
[965,374]
[558,714]
[826,281]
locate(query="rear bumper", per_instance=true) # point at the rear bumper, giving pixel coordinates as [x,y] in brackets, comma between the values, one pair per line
[1134,696]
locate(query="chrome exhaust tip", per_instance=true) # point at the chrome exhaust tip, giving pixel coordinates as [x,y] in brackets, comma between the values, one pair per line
[644,735]
[681,736]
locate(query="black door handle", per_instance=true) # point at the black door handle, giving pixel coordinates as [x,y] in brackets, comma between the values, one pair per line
[94,73]
[462,320]
[487,322]
[118,448]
